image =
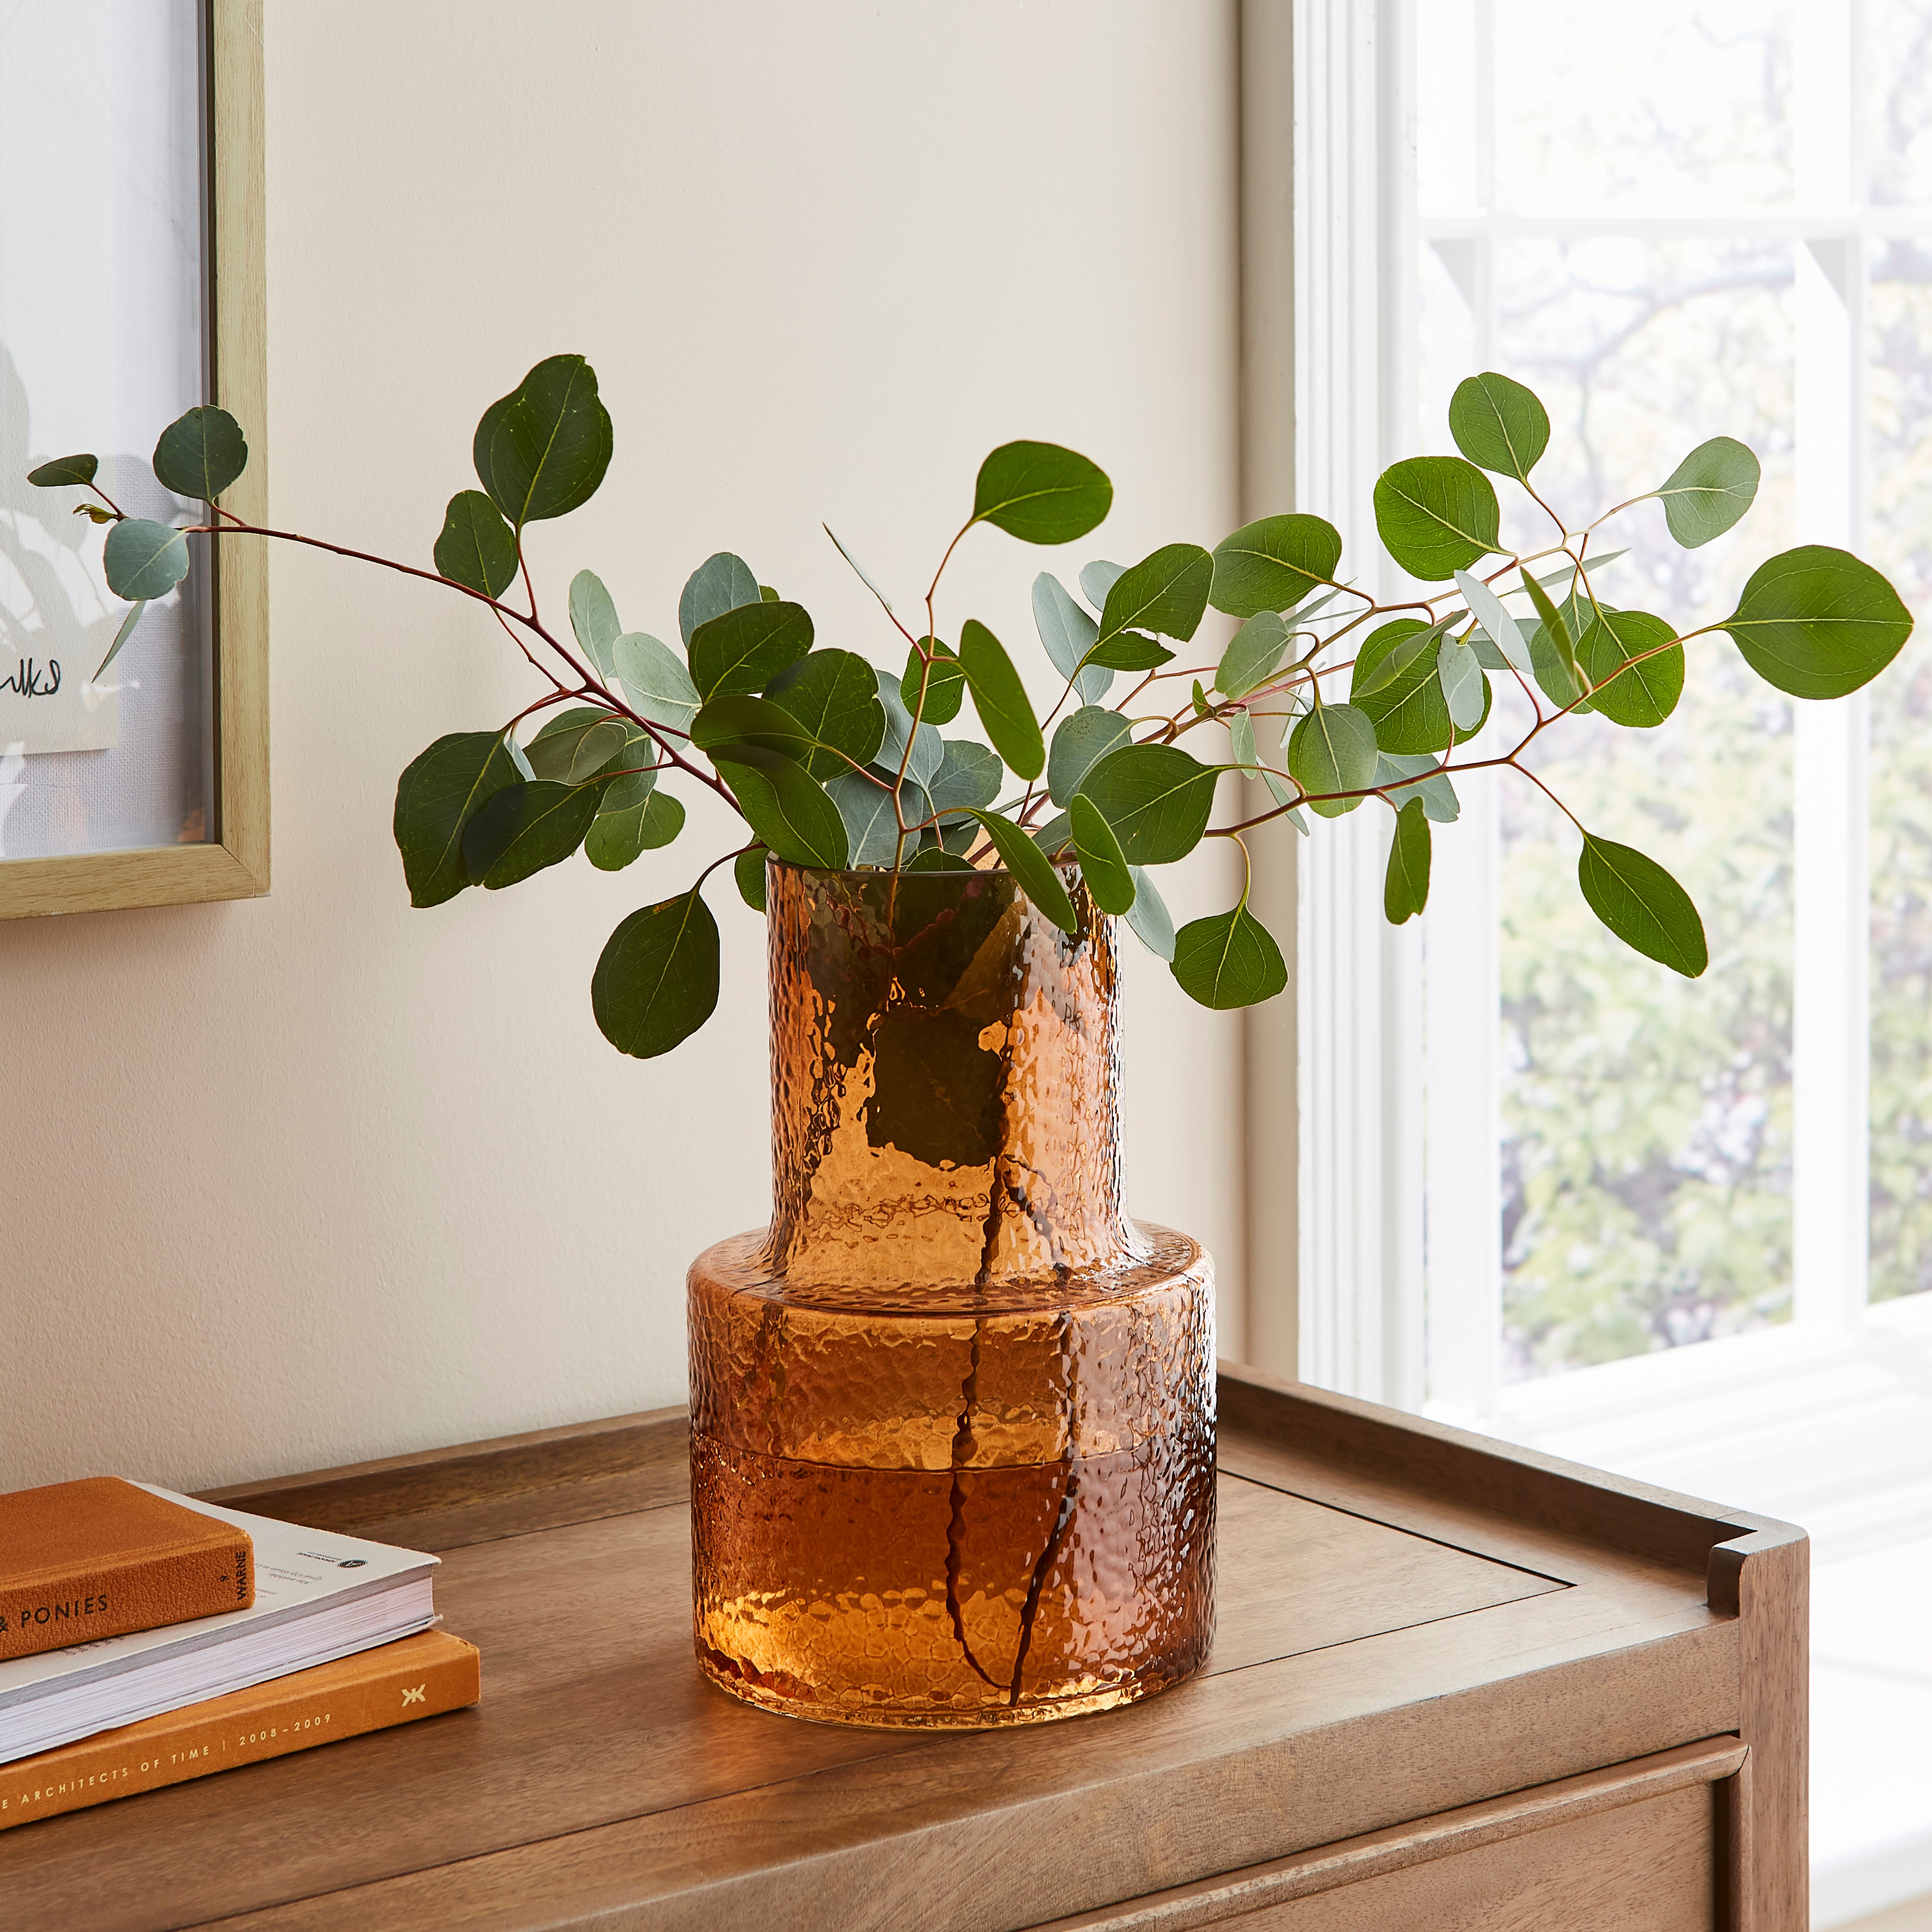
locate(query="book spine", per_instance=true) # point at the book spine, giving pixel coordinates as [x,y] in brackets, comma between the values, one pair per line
[246,1727]
[142,1594]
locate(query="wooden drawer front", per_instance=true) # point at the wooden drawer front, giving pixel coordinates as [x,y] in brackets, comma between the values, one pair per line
[1650,1866]
[1652,1845]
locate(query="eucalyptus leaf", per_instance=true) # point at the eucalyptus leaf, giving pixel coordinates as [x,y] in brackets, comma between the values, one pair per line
[144,560]
[1555,629]
[1273,564]
[872,827]
[1253,654]
[1080,741]
[928,749]
[1102,863]
[1157,798]
[120,637]
[593,618]
[1498,626]
[1229,960]
[476,549]
[200,453]
[1499,424]
[1333,749]
[1461,674]
[747,872]
[1408,710]
[1709,491]
[1097,580]
[656,981]
[616,838]
[834,695]
[748,647]
[858,569]
[64,470]
[968,777]
[1041,493]
[1241,743]
[741,718]
[1436,515]
[1406,889]
[542,450]
[1055,838]
[1432,786]
[1134,650]
[1815,621]
[576,745]
[1000,699]
[1166,592]
[656,684]
[1636,670]
[1642,905]
[787,808]
[526,827]
[945,683]
[937,859]
[722,583]
[1148,919]
[1068,633]
[1031,868]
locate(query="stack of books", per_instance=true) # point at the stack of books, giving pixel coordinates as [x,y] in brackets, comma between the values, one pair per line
[146,1638]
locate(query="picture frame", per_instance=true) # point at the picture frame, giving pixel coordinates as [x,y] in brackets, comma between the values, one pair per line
[231,860]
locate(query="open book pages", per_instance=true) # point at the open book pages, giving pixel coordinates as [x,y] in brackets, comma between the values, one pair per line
[318,1596]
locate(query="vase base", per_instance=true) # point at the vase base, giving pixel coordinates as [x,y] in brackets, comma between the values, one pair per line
[978,1717]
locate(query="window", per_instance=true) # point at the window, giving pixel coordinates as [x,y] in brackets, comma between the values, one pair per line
[1627,1218]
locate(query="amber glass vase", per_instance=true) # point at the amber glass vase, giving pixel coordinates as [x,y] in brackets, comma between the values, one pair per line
[952,1415]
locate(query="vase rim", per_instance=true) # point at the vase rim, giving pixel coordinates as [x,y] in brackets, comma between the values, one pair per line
[867,874]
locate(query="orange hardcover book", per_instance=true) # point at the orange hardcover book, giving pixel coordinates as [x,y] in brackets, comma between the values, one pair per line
[101,1557]
[419,1676]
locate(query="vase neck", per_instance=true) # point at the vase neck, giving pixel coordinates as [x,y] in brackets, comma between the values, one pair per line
[945,1082]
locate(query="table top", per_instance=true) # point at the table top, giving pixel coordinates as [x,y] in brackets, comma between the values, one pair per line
[1411,1620]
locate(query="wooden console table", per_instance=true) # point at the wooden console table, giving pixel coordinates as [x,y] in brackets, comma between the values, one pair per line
[1456,1686]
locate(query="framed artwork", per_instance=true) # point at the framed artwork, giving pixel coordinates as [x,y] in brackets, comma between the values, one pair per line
[132,288]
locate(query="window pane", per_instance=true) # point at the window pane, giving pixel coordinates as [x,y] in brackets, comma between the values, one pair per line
[1899,540]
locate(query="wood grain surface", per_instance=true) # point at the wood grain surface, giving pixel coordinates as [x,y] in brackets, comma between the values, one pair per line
[1387,1652]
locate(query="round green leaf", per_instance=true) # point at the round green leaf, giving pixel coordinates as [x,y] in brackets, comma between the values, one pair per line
[1068,632]
[936,858]
[1815,621]
[440,790]
[1396,684]
[1129,650]
[576,745]
[64,469]
[1229,960]
[144,560]
[945,684]
[526,827]
[748,870]
[748,647]
[200,453]
[834,696]
[1041,493]
[1709,491]
[928,749]
[967,777]
[543,449]
[616,837]
[1148,919]
[1273,564]
[1333,749]
[1032,869]
[1499,425]
[1165,592]
[593,621]
[1465,690]
[656,982]
[865,803]
[1080,741]
[1646,693]
[1000,699]
[785,805]
[722,583]
[1102,864]
[1155,797]
[1436,515]
[477,549]
[1642,905]
[1253,654]
[1406,890]
[656,684]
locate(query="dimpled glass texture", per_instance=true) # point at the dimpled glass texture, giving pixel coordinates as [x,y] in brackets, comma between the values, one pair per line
[952,1415]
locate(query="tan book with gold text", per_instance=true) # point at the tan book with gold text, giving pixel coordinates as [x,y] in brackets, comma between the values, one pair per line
[418,1676]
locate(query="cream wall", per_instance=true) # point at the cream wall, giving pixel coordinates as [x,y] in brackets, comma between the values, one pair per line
[315,1178]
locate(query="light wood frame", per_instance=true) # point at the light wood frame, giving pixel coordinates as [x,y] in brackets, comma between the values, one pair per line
[234,863]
